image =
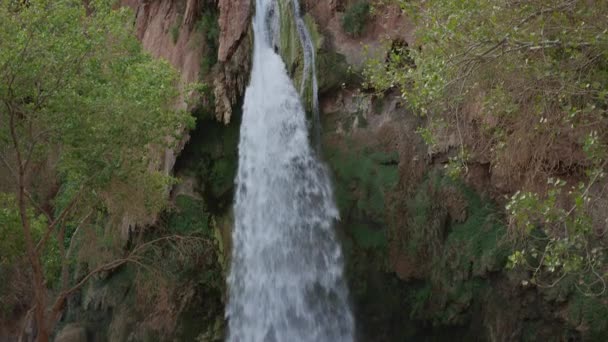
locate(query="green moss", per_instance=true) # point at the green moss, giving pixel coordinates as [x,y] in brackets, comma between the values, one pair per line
[190,217]
[369,238]
[458,252]
[209,27]
[482,234]
[291,49]
[363,180]
[419,298]
[313,29]
[477,239]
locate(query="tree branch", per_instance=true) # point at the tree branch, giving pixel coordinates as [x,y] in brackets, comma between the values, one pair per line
[541,12]
[57,221]
[73,238]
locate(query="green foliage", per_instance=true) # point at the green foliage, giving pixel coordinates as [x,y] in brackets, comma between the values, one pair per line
[456,166]
[355,17]
[209,26]
[12,242]
[456,249]
[485,52]
[565,245]
[83,109]
[175,28]
[79,84]
[190,217]
[364,178]
[332,71]
[211,156]
[481,40]
[591,312]
[13,247]
[526,81]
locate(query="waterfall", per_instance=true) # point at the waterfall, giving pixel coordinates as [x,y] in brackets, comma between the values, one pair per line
[310,68]
[286,281]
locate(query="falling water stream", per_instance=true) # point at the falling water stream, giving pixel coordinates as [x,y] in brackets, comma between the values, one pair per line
[286,281]
[310,69]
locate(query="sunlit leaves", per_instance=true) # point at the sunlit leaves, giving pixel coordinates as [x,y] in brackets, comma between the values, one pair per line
[84,89]
[557,242]
[523,86]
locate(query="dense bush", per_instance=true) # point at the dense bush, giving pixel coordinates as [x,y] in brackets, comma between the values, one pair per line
[522,86]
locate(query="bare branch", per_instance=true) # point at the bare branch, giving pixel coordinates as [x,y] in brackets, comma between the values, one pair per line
[133,257]
[541,12]
[37,206]
[57,221]
[73,238]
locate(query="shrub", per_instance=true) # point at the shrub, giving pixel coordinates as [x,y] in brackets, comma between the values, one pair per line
[208,25]
[355,18]
[522,87]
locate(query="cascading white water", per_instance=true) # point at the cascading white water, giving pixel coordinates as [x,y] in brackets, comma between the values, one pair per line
[286,280]
[309,69]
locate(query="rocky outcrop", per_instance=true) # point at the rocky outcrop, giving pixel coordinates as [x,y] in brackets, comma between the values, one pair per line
[230,80]
[234,56]
[234,22]
[166,30]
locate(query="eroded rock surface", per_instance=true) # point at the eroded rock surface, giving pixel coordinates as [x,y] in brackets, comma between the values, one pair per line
[235,16]
[234,56]
[387,23]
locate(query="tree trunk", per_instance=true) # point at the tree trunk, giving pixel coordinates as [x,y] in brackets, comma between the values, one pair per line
[38,275]
[32,254]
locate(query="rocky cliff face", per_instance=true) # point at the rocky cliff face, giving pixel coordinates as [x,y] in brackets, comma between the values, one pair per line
[167,30]
[234,20]
[207,42]
[234,56]
[179,32]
